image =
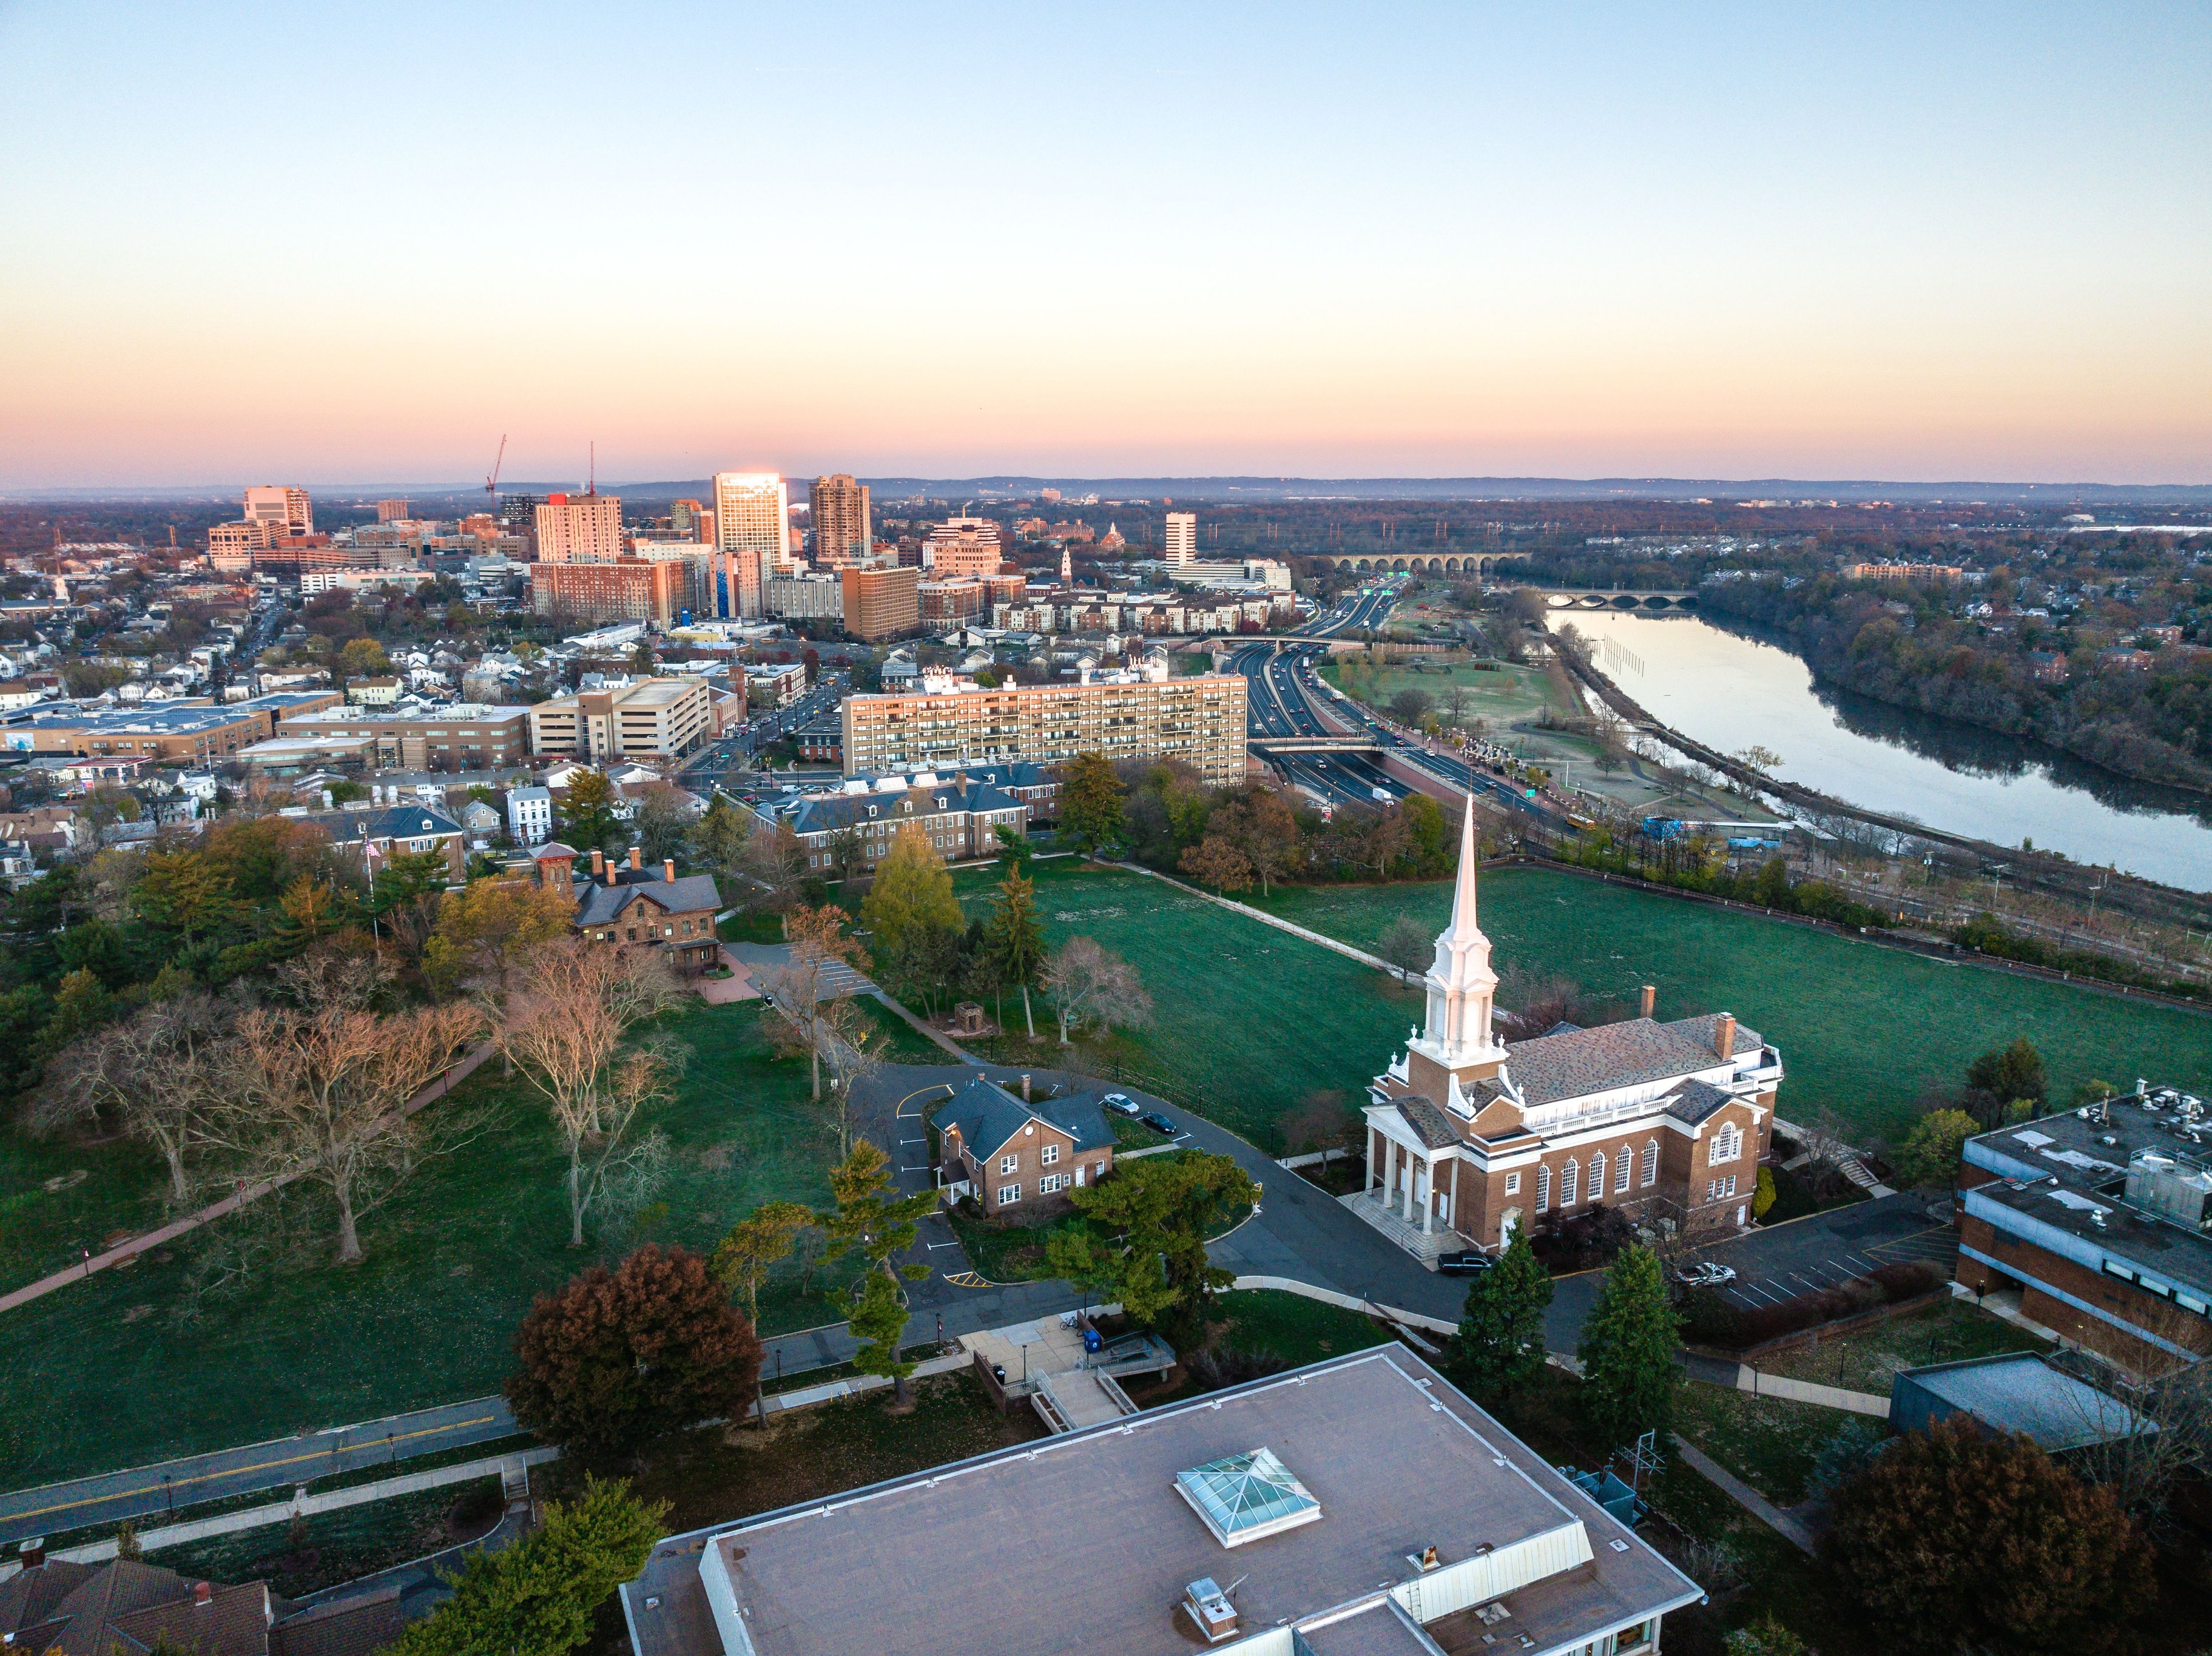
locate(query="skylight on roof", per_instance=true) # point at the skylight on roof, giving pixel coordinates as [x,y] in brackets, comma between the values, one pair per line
[1246,1497]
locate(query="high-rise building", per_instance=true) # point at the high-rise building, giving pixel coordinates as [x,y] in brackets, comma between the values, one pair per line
[1183,539]
[882,602]
[689,519]
[962,547]
[517,513]
[750,515]
[842,532]
[391,510]
[580,528]
[285,510]
[630,589]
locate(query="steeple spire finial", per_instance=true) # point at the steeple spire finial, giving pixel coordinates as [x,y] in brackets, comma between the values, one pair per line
[1462,927]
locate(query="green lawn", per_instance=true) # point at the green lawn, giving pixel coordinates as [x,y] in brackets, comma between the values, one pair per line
[1292,1327]
[58,1198]
[1248,1021]
[339,1546]
[132,1366]
[1863,1028]
[1865,1359]
[1504,694]
[1771,1443]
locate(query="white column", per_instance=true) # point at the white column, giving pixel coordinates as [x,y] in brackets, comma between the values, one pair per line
[1412,1166]
[1429,1201]
[1368,1182]
[1389,1170]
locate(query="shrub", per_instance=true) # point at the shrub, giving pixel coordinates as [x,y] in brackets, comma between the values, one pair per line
[1908,1279]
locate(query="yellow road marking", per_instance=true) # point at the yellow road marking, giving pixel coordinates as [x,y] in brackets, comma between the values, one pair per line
[257,1466]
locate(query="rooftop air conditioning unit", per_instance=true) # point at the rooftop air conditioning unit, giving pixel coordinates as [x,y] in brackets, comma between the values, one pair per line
[2161,1185]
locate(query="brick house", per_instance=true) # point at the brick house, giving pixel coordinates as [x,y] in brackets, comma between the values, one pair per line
[1472,1136]
[630,905]
[1011,1152]
[374,835]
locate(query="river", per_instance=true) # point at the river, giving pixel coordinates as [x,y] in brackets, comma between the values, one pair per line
[1731,691]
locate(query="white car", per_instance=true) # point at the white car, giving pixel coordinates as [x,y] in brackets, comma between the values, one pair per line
[1123,1104]
[1705,1275]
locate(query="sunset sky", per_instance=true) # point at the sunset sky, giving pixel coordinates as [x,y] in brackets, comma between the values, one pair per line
[358,242]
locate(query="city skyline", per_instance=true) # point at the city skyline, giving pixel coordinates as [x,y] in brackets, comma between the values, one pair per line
[1434,242]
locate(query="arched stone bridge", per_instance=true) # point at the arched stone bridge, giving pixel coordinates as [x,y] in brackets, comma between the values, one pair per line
[1624,599]
[1426,563]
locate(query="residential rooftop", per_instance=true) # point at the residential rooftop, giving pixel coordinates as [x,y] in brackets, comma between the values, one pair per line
[1086,1543]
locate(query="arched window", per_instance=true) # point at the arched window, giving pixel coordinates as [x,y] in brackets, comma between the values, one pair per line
[1568,1174]
[1543,1189]
[1728,1143]
[1622,1165]
[1507,1223]
[1651,1163]
[1597,1176]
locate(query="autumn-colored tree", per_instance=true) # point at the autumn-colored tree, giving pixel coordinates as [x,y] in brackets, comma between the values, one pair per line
[806,990]
[564,1030]
[1091,984]
[1930,1158]
[313,910]
[587,811]
[911,896]
[489,926]
[363,658]
[1956,1538]
[1216,862]
[758,1243]
[870,1215]
[184,893]
[620,1357]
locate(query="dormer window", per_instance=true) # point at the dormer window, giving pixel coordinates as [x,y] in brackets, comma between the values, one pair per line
[871,813]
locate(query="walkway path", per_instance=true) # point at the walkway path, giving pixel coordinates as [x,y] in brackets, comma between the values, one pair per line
[245,1193]
[1790,1528]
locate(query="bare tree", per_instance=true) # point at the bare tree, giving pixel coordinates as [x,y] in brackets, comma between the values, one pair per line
[564,1030]
[2140,1435]
[156,1077]
[807,987]
[849,1041]
[319,1091]
[1091,984]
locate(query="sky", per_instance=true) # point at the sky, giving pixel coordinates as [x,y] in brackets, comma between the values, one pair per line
[363,241]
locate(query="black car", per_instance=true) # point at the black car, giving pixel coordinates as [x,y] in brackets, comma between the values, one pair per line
[1158,1123]
[1467,1262]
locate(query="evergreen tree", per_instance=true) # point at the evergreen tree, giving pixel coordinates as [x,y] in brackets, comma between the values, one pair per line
[587,812]
[872,1215]
[1090,801]
[1015,938]
[2010,1072]
[1500,1344]
[1627,1350]
[1146,1241]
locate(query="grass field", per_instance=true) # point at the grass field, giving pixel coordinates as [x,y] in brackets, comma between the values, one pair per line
[1249,1020]
[1864,1029]
[132,1366]
[1503,695]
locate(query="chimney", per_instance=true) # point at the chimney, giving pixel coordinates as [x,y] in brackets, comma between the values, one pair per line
[668,870]
[203,1594]
[1724,1035]
[598,862]
[32,1555]
[636,859]
[1646,999]
[1025,1089]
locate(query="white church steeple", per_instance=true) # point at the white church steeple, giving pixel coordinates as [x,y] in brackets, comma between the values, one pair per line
[1460,984]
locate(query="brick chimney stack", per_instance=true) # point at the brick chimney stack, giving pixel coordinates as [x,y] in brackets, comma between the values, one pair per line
[599,863]
[637,860]
[1724,1035]
[1025,1089]
[1646,1000]
[668,870]
[203,1593]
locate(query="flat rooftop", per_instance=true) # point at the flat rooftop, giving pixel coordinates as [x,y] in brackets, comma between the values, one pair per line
[2023,1393]
[1084,1543]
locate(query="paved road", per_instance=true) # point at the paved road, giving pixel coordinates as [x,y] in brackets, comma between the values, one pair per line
[110,1497]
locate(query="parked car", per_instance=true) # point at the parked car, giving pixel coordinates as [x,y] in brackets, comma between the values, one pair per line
[1123,1104]
[1705,1274]
[1158,1123]
[1467,1262]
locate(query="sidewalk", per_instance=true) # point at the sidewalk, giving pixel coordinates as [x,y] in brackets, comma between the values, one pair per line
[176,1228]
[1790,1529]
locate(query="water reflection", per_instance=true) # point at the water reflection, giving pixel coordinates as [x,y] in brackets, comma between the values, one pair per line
[1731,690]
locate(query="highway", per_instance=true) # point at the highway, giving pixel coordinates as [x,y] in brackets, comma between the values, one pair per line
[1284,692]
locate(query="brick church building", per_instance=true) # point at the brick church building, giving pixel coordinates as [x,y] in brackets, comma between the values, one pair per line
[1470,1136]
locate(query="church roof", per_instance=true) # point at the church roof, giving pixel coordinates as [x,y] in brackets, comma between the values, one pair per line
[1628,1054]
[1435,1130]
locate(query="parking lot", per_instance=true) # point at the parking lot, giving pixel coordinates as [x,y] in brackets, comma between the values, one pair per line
[1830,1248]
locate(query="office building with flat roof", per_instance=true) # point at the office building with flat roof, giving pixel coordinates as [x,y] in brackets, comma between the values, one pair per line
[460,735]
[962,547]
[1357,1507]
[580,528]
[751,527]
[626,589]
[1183,539]
[805,597]
[197,732]
[656,718]
[843,530]
[286,510]
[881,602]
[1142,714]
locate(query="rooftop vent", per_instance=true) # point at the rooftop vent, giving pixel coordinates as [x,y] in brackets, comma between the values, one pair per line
[1244,1497]
[1210,1611]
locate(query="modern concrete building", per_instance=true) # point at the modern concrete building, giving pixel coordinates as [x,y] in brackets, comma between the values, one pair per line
[460,735]
[843,529]
[283,510]
[580,528]
[197,732]
[752,519]
[947,723]
[881,602]
[657,717]
[805,598]
[1182,538]
[2100,1219]
[1357,1506]
[627,589]
[961,546]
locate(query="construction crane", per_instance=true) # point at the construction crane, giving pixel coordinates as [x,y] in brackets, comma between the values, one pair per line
[491,483]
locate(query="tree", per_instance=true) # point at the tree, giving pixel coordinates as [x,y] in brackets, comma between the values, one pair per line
[640,658]
[2006,1073]
[155,1076]
[1145,1243]
[1956,1539]
[1765,1637]
[1627,1350]
[540,1593]
[662,828]
[717,840]
[802,988]
[1214,861]
[1407,944]
[185,892]
[363,658]
[1929,1159]
[1321,1122]
[317,1090]
[1015,939]
[564,1030]
[1763,1194]
[911,897]
[1091,984]
[1090,801]
[620,1357]
[587,811]
[757,1244]
[870,1215]
[313,910]
[1500,1344]
[489,926]
[1014,850]
[1260,825]
[1409,705]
